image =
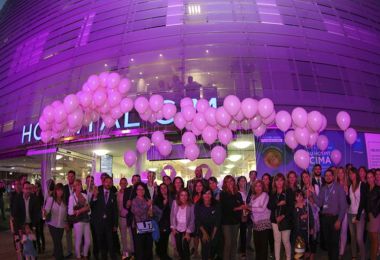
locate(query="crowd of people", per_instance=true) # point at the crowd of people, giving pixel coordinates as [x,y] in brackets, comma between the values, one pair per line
[303,213]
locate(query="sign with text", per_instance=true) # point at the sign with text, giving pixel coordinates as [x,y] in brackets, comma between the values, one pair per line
[373,150]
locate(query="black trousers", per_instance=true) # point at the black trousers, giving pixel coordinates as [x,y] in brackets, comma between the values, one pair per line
[331,236]
[243,237]
[209,249]
[104,235]
[182,245]
[40,236]
[162,245]
[56,235]
[261,240]
[95,250]
[144,246]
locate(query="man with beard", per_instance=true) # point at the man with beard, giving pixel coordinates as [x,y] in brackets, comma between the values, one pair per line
[332,200]
[317,178]
[198,176]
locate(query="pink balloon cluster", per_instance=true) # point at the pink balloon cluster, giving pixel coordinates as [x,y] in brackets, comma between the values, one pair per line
[164,146]
[343,119]
[154,109]
[102,96]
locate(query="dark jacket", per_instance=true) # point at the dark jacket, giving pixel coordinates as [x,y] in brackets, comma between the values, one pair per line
[286,209]
[19,213]
[314,181]
[362,202]
[370,202]
[102,213]
[66,193]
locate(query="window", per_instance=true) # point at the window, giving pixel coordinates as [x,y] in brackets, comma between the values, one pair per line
[85,30]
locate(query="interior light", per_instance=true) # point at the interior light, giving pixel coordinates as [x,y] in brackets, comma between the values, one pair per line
[10,173]
[58,157]
[193,167]
[234,157]
[89,165]
[12,168]
[58,168]
[132,59]
[230,166]
[125,131]
[241,144]
[100,152]
[161,55]
[152,169]
[227,171]
[62,174]
[184,161]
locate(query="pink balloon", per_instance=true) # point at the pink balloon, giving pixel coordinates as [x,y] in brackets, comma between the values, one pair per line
[93,82]
[249,107]
[350,135]
[58,127]
[225,136]
[56,103]
[270,119]
[113,80]
[343,120]
[169,111]
[116,112]
[322,142]
[302,159]
[130,158]
[283,120]
[46,136]
[209,135]
[159,115]
[218,155]
[223,117]
[146,115]
[196,131]
[336,156]
[290,140]
[210,116]
[312,139]
[245,124]
[232,104]
[44,126]
[141,104]
[94,116]
[189,126]
[114,98]
[255,122]
[143,144]
[186,102]
[85,99]
[165,148]
[103,78]
[124,86]
[126,105]
[199,121]
[179,121]
[188,113]
[299,117]
[260,130]
[192,152]
[324,124]
[158,137]
[188,138]
[85,88]
[314,120]
[239,116]
[75,118]
[302,135]
[152,118]
[86,119]
[105,108]
[100,97]
[234,125]
[108,121]
[60,113]
[71,103]
[48,114]
[202,105]
[265,107]
[156,102]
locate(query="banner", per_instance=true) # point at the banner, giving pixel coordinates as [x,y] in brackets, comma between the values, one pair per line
[274,156]
[373,150]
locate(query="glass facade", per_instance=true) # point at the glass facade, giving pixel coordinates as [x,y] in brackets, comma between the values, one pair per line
[320,54]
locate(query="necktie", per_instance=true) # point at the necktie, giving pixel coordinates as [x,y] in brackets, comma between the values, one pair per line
[319,182]
[106,196]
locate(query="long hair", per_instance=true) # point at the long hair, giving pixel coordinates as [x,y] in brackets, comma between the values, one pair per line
[304,172]
[179,203]
[256,182]
[224,186]
[238,180]
[213,200]
[267,189]
[287,180]
[160,198]
[276,178]
[58,186]
[357,177]
[345,179]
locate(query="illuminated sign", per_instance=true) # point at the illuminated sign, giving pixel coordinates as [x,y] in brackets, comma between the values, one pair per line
[30,132]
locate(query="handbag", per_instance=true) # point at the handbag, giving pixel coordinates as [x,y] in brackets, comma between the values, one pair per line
[83,217]
[144,227]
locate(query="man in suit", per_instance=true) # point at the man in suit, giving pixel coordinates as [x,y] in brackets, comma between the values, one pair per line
[68,190]
[25,208]
[198,176]
[105,217]
[317,176]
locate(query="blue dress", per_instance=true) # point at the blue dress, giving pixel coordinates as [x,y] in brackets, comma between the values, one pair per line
[28,247]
